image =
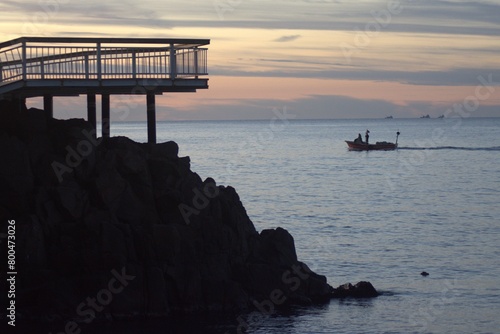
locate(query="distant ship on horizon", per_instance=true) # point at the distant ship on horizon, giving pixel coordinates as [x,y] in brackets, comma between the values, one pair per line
[428,116]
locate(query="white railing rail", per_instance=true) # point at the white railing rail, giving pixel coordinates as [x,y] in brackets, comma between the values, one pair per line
[101,59]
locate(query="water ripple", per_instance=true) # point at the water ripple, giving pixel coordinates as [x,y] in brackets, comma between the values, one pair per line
[493,148]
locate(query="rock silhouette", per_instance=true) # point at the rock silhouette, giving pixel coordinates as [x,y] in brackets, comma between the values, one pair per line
[115,228]
[359,290]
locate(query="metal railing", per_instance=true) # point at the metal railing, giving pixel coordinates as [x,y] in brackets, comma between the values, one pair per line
[101,58]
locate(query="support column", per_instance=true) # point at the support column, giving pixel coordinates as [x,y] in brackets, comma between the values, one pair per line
[105,120]
[48,105]
[151,111]
[91,110]
[22,104]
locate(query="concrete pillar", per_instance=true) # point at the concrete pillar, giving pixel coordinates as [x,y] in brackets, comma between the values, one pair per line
[48,105]
[91,110]
[105,119]
[22,104]
[151,111]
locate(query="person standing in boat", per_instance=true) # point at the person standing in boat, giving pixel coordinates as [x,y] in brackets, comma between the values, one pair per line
[367,136]
[359,140]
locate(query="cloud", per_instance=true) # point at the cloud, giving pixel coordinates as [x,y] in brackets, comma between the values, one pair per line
[423,16]
[454,77]
[86,13]
[321,107]
[288,38]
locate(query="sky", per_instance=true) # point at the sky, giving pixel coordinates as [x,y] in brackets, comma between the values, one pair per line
[317,59]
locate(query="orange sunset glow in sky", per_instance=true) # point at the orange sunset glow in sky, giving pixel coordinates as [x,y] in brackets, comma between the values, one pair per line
[319,59]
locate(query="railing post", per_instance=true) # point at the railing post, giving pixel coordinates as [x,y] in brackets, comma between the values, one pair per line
[134,65]
[42,69]
[196,62]
[173,62]
[1,73]
[87,70]
[99,67]
[23,51]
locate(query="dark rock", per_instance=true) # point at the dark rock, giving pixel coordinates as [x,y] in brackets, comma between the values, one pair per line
[32,241]
[223,296]
[117,206]
[168,149]
[156,292]
[17,181]
[14,119]
[276,246]
[424,273]
[72,199]
[359,290]
[166,243]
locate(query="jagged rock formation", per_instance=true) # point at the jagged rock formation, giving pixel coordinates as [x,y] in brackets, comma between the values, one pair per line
[359,290]
[111,228]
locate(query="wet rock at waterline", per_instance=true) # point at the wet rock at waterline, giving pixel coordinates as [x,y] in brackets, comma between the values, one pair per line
[359,290]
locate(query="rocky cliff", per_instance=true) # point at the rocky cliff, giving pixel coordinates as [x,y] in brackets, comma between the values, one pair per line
[115,228]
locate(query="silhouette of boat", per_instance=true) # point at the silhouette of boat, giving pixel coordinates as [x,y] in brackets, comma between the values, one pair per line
[381,146]
[378,146]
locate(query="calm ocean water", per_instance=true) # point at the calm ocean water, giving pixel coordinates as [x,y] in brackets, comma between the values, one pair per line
[432,205]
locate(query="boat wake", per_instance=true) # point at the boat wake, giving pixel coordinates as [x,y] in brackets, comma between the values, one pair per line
[494,148]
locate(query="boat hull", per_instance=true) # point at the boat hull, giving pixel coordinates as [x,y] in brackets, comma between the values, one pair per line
[385,146]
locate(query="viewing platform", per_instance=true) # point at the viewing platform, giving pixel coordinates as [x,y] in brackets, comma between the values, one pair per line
[59,66]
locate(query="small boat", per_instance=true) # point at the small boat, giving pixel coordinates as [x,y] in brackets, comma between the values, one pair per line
[378,146]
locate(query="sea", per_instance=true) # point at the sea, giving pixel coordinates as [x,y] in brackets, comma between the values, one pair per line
[432,205]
